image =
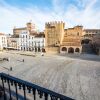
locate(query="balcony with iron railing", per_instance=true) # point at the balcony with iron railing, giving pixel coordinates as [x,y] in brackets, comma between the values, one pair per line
[16,89]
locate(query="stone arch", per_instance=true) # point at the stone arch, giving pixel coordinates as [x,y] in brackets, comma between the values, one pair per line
[85,41]
[64,49]
[71,50]
[43,50]
[77,50]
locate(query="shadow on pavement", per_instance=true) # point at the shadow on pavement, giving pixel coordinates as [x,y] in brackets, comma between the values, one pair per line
[90,57]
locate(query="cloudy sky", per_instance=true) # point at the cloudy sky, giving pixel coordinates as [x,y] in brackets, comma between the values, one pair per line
[72,12]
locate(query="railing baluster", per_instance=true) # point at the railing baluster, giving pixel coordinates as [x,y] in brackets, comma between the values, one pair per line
[3,88]
[24,92]
[40,94]
[54,98]
[16,91]
[9,89]
[34,94]
[46,96]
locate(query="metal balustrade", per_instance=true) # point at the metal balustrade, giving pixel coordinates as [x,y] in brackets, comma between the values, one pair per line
[9,81]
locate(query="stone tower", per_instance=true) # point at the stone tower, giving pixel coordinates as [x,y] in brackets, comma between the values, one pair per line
[30,26]
[54,32]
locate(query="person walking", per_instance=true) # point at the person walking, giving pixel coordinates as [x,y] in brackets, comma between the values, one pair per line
[23,60]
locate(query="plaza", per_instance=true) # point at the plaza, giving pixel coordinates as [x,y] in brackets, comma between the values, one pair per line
[76,76]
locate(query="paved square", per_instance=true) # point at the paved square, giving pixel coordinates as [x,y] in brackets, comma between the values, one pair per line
[74,76]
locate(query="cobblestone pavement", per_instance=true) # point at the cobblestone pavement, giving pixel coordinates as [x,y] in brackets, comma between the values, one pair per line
[74,76]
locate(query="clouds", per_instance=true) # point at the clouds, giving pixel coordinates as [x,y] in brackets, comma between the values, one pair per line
[82,12]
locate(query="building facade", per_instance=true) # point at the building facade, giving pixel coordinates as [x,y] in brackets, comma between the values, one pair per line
[54,32]
[71,42]
[29,26]
[3,41]
[62,40]
[13,43]
[96,43]
[31,42]
[89,33]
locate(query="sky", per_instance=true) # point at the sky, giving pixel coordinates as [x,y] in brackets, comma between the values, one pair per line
[16,13]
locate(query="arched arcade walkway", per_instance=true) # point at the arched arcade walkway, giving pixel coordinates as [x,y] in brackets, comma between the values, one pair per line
[64,49]
[71,50]
[77,50]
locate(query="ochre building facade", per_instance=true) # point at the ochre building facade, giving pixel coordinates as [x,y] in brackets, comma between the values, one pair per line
[60,40]
[54,32]
[71,42]
[29,27]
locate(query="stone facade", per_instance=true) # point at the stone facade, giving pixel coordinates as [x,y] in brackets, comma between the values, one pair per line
[54,32]
[89,36]
[71,42]
[89,33]
[29,26]
[17,31]
[13,43]
[60,40]
[96,43]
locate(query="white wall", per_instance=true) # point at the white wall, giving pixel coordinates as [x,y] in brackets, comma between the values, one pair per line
[3,42]
[30,42]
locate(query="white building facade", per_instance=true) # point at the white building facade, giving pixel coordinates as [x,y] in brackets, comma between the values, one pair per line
[3,41]
[29,42]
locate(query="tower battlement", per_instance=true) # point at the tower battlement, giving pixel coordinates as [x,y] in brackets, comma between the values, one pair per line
[54,23]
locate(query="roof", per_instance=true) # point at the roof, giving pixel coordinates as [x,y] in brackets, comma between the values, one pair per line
[70,28]
[23,28]
[15,36]
[91,29]
[40,35]
[33,33]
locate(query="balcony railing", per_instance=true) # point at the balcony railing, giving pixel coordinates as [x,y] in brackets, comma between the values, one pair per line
[13,87]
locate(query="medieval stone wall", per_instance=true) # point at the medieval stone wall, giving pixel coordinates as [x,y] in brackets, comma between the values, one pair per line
[54,32]
[71,42]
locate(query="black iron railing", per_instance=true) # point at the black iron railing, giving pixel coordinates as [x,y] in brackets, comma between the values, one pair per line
[26,87]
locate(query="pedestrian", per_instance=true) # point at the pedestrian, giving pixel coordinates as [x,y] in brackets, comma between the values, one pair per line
[23,60]
[8,59]
[42,54]
[10,68]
